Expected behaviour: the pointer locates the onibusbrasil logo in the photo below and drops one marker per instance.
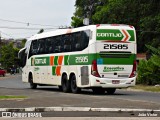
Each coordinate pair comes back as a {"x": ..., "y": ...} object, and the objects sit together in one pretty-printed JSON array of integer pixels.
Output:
[{"x": 110, "y": 69}]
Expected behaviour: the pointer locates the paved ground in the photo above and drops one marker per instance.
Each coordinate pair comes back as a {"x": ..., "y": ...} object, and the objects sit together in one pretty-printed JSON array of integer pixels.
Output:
[{"x": 51, "y": 97}]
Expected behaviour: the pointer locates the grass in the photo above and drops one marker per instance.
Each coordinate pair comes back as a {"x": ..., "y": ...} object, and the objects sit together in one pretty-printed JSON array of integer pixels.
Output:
[
  {"x": 147, "y": 88},
  {"x": 12, "y": 97}
]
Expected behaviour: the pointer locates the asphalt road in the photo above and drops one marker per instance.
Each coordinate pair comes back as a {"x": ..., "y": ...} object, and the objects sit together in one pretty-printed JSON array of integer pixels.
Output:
[{"x": 51, "y": 96}]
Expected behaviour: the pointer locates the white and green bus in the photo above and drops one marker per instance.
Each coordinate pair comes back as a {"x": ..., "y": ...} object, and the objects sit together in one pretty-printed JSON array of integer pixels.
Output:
[{"x": 99, "y": 57}]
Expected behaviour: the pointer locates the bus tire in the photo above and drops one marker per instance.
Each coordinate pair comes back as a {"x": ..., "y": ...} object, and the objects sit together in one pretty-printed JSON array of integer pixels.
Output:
[
  {"x": 74, "y": 87},
  {"x": 110, "y": 91},
  {"x": 98, "y": 90},
  {"x": 32, "y": 85},
  {"x": 60, "y": 88},
  {"x": 66, "y": 85}
]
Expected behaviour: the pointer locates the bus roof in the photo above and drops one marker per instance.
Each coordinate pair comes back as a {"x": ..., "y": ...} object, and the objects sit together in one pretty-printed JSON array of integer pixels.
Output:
[{"x": 65, "y": 31}]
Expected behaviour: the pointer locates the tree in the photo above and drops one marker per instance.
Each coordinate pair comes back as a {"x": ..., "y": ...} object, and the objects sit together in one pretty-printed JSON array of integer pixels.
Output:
[
  {"x": 84, "y": 9},
  {"x": 76, "y": 22},
  {"x": 143, "y": 15},
  {"x": 149, "y": 70},
  {"x": 9, "y": 55},
  {"x": 23, "y": 42}
]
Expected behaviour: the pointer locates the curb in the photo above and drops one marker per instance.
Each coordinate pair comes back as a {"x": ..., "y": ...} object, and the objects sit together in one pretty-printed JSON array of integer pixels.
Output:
[{"x": 49, "y": 109}]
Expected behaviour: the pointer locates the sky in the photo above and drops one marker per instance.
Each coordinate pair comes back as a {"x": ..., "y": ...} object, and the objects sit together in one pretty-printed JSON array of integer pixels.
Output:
[{"x": 24, "y": 18}]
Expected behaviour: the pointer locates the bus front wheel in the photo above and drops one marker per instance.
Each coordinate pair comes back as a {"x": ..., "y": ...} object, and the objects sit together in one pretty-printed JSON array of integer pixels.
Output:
[
  {"x": 32, "y": 85},
  {"x": 74, "y": 87},
  {"x": 66, "y": 85}
]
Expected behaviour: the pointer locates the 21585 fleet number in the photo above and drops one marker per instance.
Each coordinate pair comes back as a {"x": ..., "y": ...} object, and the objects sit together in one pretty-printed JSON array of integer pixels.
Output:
[{"x": 116, "y": 46}]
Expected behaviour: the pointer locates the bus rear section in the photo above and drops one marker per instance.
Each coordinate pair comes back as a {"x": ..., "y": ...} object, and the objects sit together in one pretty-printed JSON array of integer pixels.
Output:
[{"x": 115, "y": 64}]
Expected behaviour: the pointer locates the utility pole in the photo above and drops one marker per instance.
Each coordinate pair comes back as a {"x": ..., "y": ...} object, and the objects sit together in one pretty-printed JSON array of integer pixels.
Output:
[
  {"x": 89, "y": 11},
  {"x": 88, "y": 16}
]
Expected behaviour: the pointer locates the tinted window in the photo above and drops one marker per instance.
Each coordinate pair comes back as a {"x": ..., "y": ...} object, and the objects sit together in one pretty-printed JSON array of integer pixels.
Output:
[
  {"x": 33, "y": 48},
  {"x": 58, "y": 44},
  {"x": 22, "y": 57},
  {"x": 65, "y": 43},
  {"x": 66, "y": 39},
  {"x": 80, "y": 40},
  {"x": 50, "y": 45},
  {"x": 41, "y": 46},
  {"x": 85, "y": 39}
]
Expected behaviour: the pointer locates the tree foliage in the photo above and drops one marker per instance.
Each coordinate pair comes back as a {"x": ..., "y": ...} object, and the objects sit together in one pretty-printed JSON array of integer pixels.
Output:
[
  {"x": 144, "y": 15},
  {"x": 149, "y": 70},
  {"x": 23, "y": 42},
  {"x": 9, "y": 55}
]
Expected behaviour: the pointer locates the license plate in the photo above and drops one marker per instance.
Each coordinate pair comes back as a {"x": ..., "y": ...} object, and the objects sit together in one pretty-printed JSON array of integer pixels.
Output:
[{"x": 115, "y": 81}]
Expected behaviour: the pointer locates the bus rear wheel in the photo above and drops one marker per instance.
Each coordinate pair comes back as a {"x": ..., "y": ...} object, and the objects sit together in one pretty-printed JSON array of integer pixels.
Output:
[
  {"x": 110, "y": 91},
  {"x": 32, "y": 85},
  {"x": 66, "y": 86},
  {"x": 74, "y": 87}
]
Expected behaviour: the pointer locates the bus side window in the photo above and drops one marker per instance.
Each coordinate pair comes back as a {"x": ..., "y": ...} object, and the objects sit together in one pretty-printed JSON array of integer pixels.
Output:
[
  {"x": 33, "y": 48},
  {"x": 78, "y": 41},
  {"x": 67, "y": 43},
  {"x": 49, "y": 45},
  {"x": 73, "y": 42},
  {"x": 85, "y": 38},
  {"x": 58, "y": 44},
  {"x": 41, "y": 46},
  {"x": 23, "y": 58}
]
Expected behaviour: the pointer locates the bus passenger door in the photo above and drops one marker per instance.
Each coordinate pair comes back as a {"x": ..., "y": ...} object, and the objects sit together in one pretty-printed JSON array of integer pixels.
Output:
[
  {"x": 36, "y": 74},
  {"x": 43, "y": 74}
]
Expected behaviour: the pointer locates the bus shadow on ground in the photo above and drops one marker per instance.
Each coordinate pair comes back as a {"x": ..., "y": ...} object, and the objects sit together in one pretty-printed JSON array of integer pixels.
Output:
[{"x": 83, "y": 91}]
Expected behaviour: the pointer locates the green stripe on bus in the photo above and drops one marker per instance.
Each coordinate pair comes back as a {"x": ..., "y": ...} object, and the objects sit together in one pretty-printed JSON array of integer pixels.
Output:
[
  {"x": 66, "y": 59},
  {"x": 81, "y": 59},
  {"x": 56, "y": 60},
  {"x": 86, "y": 59},
  {"x": 54, "y": 70}
]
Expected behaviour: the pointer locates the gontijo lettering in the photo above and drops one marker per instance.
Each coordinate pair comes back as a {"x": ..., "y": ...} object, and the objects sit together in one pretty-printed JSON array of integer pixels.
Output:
[
  {"x": 109, "y": 35},
  {"x": 40, "y": 61}
]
